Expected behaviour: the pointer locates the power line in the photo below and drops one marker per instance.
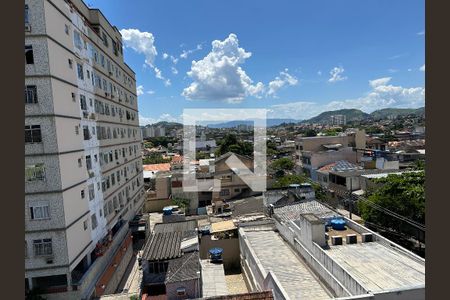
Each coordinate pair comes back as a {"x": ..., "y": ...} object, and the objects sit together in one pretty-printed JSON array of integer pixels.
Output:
[{"x": 391, "y": 213}]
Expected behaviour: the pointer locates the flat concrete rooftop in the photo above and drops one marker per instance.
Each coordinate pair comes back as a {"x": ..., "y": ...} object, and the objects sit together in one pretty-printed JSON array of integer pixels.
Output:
[
  {"x": 213, "y": 279},
  {"x": 378, "y": 267},
  {"x": 275, "y": 255}
]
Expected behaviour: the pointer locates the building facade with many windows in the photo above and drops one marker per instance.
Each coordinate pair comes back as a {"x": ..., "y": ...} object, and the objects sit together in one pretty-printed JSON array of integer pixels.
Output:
[{"x": 83, "y": 165}]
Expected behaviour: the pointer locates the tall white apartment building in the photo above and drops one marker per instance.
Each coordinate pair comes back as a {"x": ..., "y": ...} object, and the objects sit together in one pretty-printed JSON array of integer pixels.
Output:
[{"x": 83, "y": 168}]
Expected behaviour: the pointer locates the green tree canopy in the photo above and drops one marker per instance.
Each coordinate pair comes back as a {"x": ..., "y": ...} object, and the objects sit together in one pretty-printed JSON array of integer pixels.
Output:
[
  {"x": 282, "y": 164},
  {"x": 403, "y": 194},
  {"x": 230, "y": 143}
]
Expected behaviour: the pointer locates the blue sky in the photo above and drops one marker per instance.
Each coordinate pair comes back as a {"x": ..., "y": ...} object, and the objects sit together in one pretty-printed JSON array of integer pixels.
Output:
[{"x": 295, "y": 58}]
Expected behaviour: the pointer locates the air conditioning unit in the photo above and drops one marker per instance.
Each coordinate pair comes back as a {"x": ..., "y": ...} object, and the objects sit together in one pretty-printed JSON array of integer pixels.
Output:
[
  {"x": 367, "y": 237},
  {"x": 336, "y": 240},
  {"x": 27, "y": 27},
  {"x": 351, "y": 239}
]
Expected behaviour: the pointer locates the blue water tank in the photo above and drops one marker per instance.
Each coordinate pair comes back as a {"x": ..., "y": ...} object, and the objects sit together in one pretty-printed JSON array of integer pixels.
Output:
[
  {"x": 167, "y": 210},
  {"x": 338, "y": 224}
]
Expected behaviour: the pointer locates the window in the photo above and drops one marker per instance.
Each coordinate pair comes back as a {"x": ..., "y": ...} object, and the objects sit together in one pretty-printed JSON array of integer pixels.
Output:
[
  {"x": 70, "y": 63},
  {"x": 77, "y": 130},
  {"x": 26, "y": 249},
  {"x": 85, "y": 224},
  {"x": 31, "y": 94},
  {"x": 29, "y": 58},
  {"x": 102, "y": 60},
  {"x": 35, "y": 172},
  {"x": 83, "y": 103},
  {"x": 26, "y": 14},
  {"x": 225, "y": 192},
  {"x": 105, "y": 209},
  {"x": 80, "y": 164},
  {"x": 105, "y": 39},
  {"x": 113, "y": 179},
  {"x": 66, "y": 29},
  {"x": 39, "y": 211},
  {"x": 82, "y": 194},
  {"x": 77, "y": 39},
  {"x": 86, "y": 133},
  {"x": 80, "y": 71},
  {"x": 73, "y": 97},
  {"x": 42, "y": 247},
  {"x": 181, "y": 291},
  {"x": 88, "y": 74},
  {"x": 91, "y": 192},
  {"x": 94, "y": 221},
  {"x": 88, "y": 162},
  {"x": 33, "y": 134}
]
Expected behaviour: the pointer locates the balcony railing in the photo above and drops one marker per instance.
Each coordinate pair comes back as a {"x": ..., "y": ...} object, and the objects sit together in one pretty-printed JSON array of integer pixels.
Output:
[{"x": 87, "y": 282}]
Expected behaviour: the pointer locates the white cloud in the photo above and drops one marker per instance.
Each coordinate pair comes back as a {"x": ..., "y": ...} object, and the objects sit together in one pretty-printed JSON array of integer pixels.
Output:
[
  {"x": 422, "y": 68},
  {"x": 381, "y": 95},
  {"x": 185, "y": 53},
  {"x": 174, "y": 70},
  {"x": 409, "y": 70},
  {"x": 336, "y": 74},
  {"x": 284, "y": 79},
  {"x": 219, "y": 76},
  {"x": 392, "y": 70},
  {"x": 380, "y": 81},
  {"x": 140, "y": 90},
  {"x": 150, "y": 92},
  {"x": 422, "y": 32},
  {"x": 165, "y": 55},
  {"x": 141, "y": 42},
  {"x": 319, "y": 73}
]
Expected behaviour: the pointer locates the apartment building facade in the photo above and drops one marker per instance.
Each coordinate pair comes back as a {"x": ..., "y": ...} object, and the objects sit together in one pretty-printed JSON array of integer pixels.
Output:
[{"x": 83, "y": 165}]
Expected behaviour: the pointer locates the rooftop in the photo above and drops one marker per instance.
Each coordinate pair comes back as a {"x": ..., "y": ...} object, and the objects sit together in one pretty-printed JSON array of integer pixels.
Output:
[
  {"x": 275, "y": 255},
  {"x": 378, "y": 267},
  {"x": 213, "y": 279},
  {"x": 265, "y": 295},
  {"x": 339, "y": 166},
  {"x": 157, "y": 167},
  {"x": 292, "y": 212}
]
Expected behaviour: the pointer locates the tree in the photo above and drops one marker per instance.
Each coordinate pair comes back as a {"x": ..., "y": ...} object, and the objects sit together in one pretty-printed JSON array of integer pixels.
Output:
[
  {"x": 285, "y": 181},
  {"x": 310, "y": 133},
  {"x": 155, "y": 158},
  {"x": 230, "y": 143},
  {"x": 282, "y": 164},
  {"x": 403, "y": 194}
]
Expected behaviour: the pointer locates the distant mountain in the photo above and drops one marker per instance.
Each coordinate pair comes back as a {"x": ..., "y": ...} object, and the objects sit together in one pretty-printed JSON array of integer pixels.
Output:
[
  {"x": 165, "y": 124},
  {"x": 350, "y": 114},
  {"x": 269, "y": 123},
  {"x": 395, "y": 112}
]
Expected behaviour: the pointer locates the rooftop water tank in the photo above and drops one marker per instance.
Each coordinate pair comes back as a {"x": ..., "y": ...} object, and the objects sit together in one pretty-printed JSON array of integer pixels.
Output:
[
  {"x": 338, "y": 224},
  {"x": 167, "y": 210},
  {"x": 216, "y": 254}
]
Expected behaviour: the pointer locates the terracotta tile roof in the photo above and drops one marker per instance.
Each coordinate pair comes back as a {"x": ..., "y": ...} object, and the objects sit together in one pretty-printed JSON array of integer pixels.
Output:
[
  {"x": 157, "y": 167},
  {"x": 177, "y": 159}
]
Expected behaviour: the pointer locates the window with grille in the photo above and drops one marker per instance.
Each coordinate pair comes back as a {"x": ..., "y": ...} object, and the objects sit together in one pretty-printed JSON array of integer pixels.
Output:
[
  {"x": 35, "y": 172},
  {"x": 91, "y": 192},
  {"x": 94, "y": 222},
  {"x": 86, "y": 133},
  {"x": 42, "y": 247},
  {"x": 39, "y": 211},
  {"x": 77, "y": 39},
  {"x": 80, "y": 71},
  {"x": 33, "y": 134},
  {"x": 31, "y": 94},
  {"x": 83, "y": 103}
]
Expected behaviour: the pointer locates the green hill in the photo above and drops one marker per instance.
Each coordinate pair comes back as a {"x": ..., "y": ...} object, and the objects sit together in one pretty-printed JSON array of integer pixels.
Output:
[
  {"x": 350, "y": 114},
  {"x": 395, "y": 112}
]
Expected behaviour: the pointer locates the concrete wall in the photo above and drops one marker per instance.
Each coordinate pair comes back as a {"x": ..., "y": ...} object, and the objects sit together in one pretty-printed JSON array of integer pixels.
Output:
[
  {"x": 156, "y": 205},
  {"x": 231, "y": 253}
]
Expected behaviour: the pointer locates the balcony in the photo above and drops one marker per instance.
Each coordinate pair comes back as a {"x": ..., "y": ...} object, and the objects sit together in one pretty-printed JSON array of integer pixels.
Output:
[{"x": 87, "y": 283}]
